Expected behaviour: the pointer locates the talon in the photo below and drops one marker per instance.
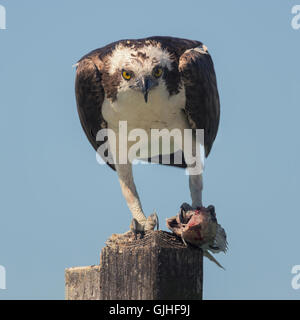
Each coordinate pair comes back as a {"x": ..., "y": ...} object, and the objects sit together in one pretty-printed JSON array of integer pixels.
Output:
[
  {"x": 212, "y": 211},
  {"x": 182, "y": 216},
  {"x": 211, "y": 208},
  {"x": 184, "y": 241},
  {"x": 136, "y": 229},
  {"x": 133, "y": 227},
  {"x": 186, "y": 207},
  {"x": 152, "y": 222},
  {"x": 155, "y": 217}
]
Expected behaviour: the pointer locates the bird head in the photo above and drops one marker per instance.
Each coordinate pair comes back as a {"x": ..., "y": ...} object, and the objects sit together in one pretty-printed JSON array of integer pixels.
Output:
[
  {"x": 140, "y": 69},
  {"x": 142, "y": 80}
]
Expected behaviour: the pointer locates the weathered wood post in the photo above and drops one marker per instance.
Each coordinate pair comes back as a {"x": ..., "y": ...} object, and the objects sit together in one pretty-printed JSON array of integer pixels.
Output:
[{"x": 156, "y": 267}]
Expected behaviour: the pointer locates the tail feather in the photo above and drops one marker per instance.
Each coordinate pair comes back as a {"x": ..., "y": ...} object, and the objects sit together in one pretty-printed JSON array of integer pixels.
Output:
[{"x": 212, "y": 258}]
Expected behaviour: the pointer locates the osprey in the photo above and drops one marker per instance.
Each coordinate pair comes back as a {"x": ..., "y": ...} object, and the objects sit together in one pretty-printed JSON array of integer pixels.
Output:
[{"x": 151, "y": 83}]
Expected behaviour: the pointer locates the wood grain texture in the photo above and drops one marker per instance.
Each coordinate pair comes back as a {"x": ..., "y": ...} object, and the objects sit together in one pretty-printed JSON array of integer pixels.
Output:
[{"x": 82, "y": 283}]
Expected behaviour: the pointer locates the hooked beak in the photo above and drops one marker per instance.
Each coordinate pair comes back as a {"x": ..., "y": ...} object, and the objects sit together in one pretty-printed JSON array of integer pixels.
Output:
[{"x": 146, "y": 84}]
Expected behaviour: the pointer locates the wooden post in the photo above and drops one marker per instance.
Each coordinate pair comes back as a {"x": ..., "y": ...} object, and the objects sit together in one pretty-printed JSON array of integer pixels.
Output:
[
  {"x": 156, "y": 267},
  {"x": 82, "y": 283}
]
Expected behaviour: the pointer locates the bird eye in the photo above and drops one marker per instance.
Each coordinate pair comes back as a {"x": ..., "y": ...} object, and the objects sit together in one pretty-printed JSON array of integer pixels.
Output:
[
  {"x": 157, "y": 72},
  {"x": 126, "y": 75}
]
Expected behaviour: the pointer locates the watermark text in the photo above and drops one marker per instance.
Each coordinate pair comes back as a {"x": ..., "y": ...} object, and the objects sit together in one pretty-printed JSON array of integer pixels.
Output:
[
  {"x": 2, "y": 17},
  {"x": 296, "y": 279},
  {"x": 123, "y": 146},
  {"x": 295, "y": 23},
  {"x": 2, "y": 278}
]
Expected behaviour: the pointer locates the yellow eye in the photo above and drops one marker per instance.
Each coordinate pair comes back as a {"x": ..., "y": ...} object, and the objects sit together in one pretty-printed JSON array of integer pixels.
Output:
[
  {"x": 157, "y": 72},
  {"x": 126, "y": 75}
]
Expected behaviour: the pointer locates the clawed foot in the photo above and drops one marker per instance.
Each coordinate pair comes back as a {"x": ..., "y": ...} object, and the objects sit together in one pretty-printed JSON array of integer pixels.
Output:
[
  {"x": 185, "y": 207},
  {"x": 218, "y": 242},
  {"x": 149, "y": 225},
  {"x": 198, "y": 227}
]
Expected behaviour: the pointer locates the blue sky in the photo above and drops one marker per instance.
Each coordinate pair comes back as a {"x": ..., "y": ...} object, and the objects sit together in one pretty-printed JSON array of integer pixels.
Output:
[{"x": 58, "y": 205}]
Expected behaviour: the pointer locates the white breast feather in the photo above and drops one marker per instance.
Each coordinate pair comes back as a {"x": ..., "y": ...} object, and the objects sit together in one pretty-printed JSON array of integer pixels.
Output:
[{"x": 161, "y": 111}]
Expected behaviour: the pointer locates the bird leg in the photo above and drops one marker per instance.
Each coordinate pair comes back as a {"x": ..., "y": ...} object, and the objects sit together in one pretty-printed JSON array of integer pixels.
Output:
[
  {"x": 195, "y": 171},
  {"x": 140, "y": 223},
  {"x": 196, "y": 187}
]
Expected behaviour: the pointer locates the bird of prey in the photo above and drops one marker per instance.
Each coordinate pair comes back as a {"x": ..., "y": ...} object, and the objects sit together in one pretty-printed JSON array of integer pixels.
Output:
[{"x": 151, "y": 83}]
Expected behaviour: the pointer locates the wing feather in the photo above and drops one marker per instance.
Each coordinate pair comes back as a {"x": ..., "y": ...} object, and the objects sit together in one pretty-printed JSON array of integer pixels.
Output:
[
  {"x": 202, "y": 99},
  {"x": 90, "y": 96}
]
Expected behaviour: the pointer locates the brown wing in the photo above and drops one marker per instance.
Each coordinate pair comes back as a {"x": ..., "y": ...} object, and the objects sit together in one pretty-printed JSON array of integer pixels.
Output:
[
  {"x": 89, "y": 96},
  {"x": 202, "y": 99}
]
